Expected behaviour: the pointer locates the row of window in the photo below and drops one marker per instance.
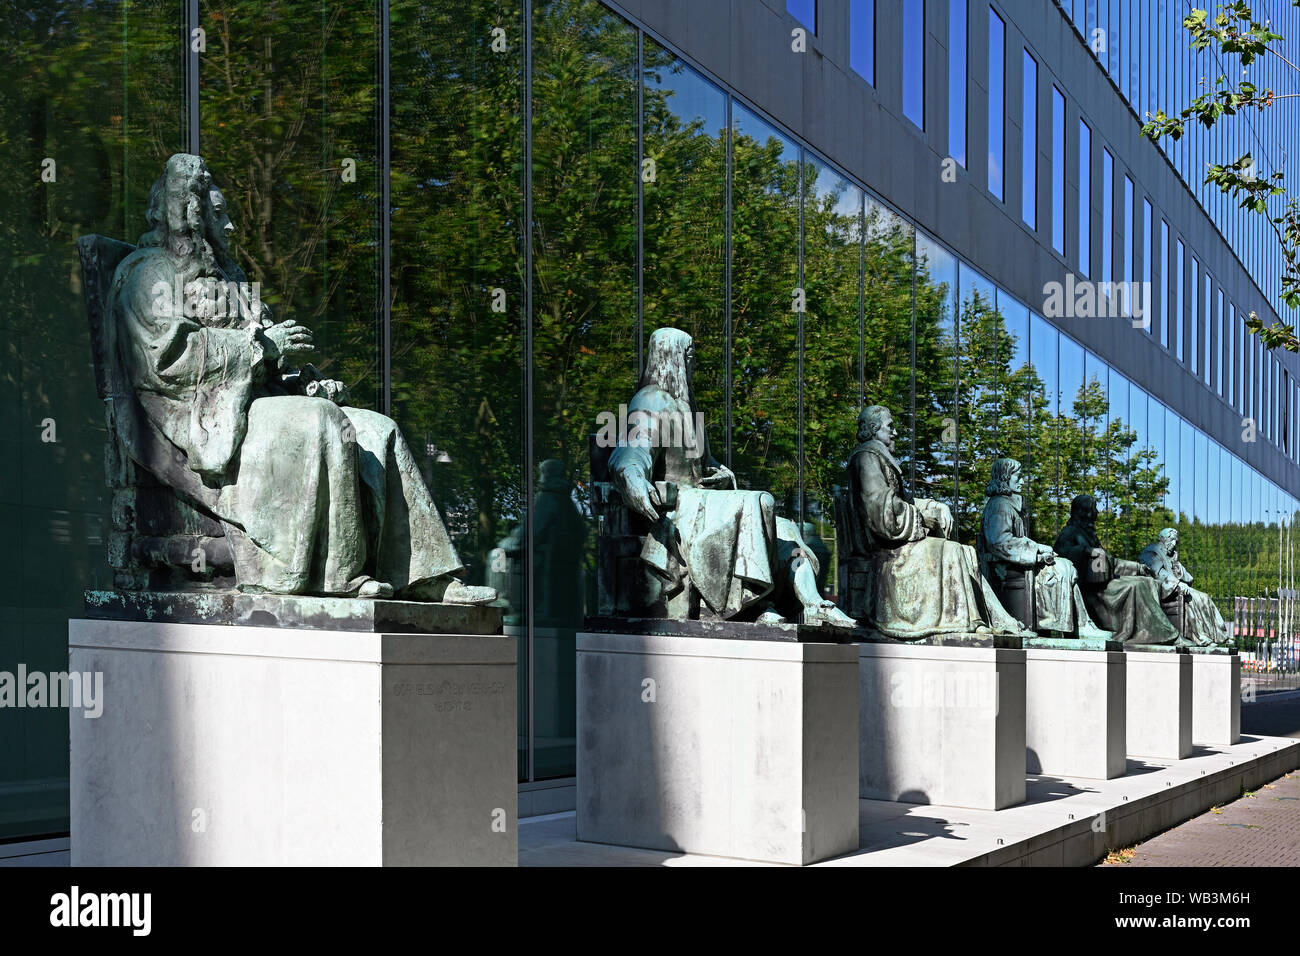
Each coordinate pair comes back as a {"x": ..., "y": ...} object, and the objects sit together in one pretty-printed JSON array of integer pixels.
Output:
[{"x": 1192, "y": 322}]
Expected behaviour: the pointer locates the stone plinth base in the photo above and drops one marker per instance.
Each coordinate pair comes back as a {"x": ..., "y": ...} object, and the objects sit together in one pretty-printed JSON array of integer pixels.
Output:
[
  {"x": 233, "y": 746},
  {"x": 1159, "y": 712},
  {"x": 733, "y": 748},
  {"x": 1074, "y": 713},
  {"x": 1216, "y": 699},
  {"x": 942, "y": 724}
]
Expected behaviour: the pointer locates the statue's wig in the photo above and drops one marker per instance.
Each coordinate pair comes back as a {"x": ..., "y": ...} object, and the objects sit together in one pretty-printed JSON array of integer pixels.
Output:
[
  {"x": 1083, "y": 508},
  {"x": 1004, "y": 470},
  {"x": 1168, "y": 536},
  {"x": 870, "y": 419},
  {"x": 175, "y": 214},
  {"x": 666, "y": 365}
]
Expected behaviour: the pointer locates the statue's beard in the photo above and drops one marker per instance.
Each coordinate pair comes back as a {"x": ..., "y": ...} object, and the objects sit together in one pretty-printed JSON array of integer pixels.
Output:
[{"x": 201, "y": 257}]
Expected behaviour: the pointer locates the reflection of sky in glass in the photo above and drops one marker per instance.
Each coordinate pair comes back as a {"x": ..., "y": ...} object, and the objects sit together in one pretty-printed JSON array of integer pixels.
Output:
[
  {"x": 748, "y": 124},
  {"x": 1195, "y": 334},
  {"x": 1070, "y": 374},
  {"x": 862, "y": 38},
  {"x": 805, "y": 11},
  {"x": 972, "y": 284},
  {"x": 690, "y": 96},
  {"x": 1107, "y": 211},
  {"x": 939, "y": 265},
  {"x": 1042, "y": 349},
  {"x": 1187, "y": 460},
  {"x": 1017, "y": 324},
  {"x": 1029, "y": 144},
  {"x": 914, "y": 61},
  {"x": 1173, "y": 470},
  {"x": 1164, "y": 291},
  {"x": 829, "y": 183},
  {"x": 1175, "y": 327},
  {"x": 997, "y": 99},
  {"x": 956, "y": 80},
  {"x": 1058, "y": 171},
  {"x": 1085, "y": 199}
]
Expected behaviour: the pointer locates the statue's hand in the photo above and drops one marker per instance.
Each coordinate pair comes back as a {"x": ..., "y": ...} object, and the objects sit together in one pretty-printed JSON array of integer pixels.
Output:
[
  {"x": 287, "y": 338},
  {"x": 641, "y": 496},
  {"x": 330, "y": 388},
  {"x": 1046, "y": 555},
  {"x": 720, "y": 475}
]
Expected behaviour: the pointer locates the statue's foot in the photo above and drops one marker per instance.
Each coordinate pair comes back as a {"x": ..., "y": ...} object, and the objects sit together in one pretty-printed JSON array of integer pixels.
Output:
[
  {"x": 827, "y": 615},
  {"x": 1092, "y": 631},
  {"x": 457, "y": 592},
  {"x": 373, "y": 590},
  {"x": 770, "y": 617}
]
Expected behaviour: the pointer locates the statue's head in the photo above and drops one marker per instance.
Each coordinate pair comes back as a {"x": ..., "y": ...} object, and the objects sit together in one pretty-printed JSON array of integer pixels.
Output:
[
  {"x": 877, "y": 421},
  {"x": 1005, "y": 478},
  {"x": 187, "y": 214},
  {"x": 1083, "y": 510},
  {"x": 1168, "y": 539},
  {"x": 670, "y": 362}
]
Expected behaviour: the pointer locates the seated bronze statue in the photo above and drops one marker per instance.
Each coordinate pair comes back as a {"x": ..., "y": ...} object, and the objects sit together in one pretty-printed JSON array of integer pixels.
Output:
[
  {"x": 1121, "y": 595},
  {"x": 702, "y": 551},
  {"x": 1191, "y": 611},
  {"x": 314, "y": 496},
  {"x": 1042, "y": 592},
  {"x": 919, "y": 584}
]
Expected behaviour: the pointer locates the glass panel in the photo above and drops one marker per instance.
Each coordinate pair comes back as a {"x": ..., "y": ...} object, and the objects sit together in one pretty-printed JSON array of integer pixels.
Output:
[
  {"x": 997, "y": 100},
  {"x": 1029, "y": 143},
  {"x": 1042, "y": 473},
  {"x": 1107, "y": 217},
  {"x": 584, "y": 312},
  {"x": 862, "y": 39},
  {"x": 956, "y": 78},
  {"x": 457, "y": 313},
  {"x": 97, "y": 89},
  {"x": 914, "y": 61},
  {"x": 764, "y": 299},
  {"x": 1085, "y": 200},
  {"x": 1058, "y": 171},
  {"x": 1165, "y": 292},
  {"x": 805, "y": 11},
  {"x": 1194, "y": 323},
  {"x": 935, "y": 455},
  {"x": 1176, "y": 326}
]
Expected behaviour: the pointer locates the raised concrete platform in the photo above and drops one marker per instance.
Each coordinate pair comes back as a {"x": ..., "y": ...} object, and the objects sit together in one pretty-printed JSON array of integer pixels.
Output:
[
  {"x": 223, "y": 745},
  {"x": 1159, "y": 693},
  {"x": 735, "y": 748},
  {"x": 1063, "y": 821},
  {"x": 1216, "y": 699},
  {"x": 942, "y": 724},
  {"x": 1075, "y": 713}
]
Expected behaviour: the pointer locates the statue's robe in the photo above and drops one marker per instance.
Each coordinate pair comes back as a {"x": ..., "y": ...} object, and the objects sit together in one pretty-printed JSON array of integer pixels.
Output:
[
  {"x": 1204, "y": 623},
  {"x": 1125, "y": 601},
  {"x": 314, "y": 498},
  {"x": 1004, "y": 545},
  {"x": 920, "y": 585},
  {"x": 730, "y": 545}
]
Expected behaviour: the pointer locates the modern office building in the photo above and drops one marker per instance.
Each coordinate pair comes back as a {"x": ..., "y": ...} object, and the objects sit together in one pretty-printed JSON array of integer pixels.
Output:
[{"x": 484, "y": 207}]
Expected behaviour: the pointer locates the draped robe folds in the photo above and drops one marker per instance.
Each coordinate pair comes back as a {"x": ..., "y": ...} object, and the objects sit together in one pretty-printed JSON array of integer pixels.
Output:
[
  {"x": 730, "y": 544},
  {"x": 921, "y": 585},
  {"x": 1128, "y": 603},
  {"x": 314, "y": 498},
  {"x": 1205, "y": 625},
  {"x": 1005, "y": 544}
]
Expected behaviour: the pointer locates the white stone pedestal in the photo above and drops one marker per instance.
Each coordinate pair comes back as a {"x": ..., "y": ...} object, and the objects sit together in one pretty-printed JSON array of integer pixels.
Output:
[
  {"x": 1074, "y": 713},
  {"x": 736, "y": 748},
  {"x": 232, "y": 746},
  {"x": 1216, "y": 699},
  {"x": 942, "y": 725},
  {"x": 1159, "y": 693}
]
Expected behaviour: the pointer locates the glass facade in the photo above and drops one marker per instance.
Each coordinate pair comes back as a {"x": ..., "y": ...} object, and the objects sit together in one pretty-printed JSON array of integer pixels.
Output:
[{"x": 483, "y": 243}]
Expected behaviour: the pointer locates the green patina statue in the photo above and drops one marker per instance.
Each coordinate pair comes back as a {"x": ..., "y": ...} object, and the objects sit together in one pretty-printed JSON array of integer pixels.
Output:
[
  {"x": 1121, "y": 595},
  {"x": 1007, "y": 553},
  {"x": 315, "y": 497},
  {"x": 1203, "y": 624},
  {"x": 707, "y": 551},
  {"x": 920, "y": 583}
]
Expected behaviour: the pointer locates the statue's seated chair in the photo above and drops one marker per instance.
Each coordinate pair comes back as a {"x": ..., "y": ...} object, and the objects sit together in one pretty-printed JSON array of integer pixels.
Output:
[
  {"x": 853, "y": 580},
  {"x": 1015, "y": 590},
  {"x": 1175, "y": 608},
  {"x": 159, "y": 541},
  {"x": 626, "y": 585}
]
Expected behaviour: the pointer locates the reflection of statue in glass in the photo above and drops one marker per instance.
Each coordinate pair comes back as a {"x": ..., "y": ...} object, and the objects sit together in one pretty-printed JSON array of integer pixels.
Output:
[
  {"x": 314, "y": 497},
  {"x": 920, "y": 584},
  {"x": 727, "y": 546},
  {"x": 505, "y": 575},
  {"x": 1009, "y": 557},
  {"x": 820, "y": 551},
  {"x": 559, "y": 542},
  {"x": 1203, "y": 622},
  {"x": 1120, "y": 594}
]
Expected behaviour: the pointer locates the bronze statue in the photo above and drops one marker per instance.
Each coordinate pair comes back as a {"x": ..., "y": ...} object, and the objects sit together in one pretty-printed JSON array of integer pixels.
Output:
[
  {"x": 704, "y": 550},
  {"x": 920, "y": 584},
  {"x": 315, "y": 496},
  {"x": 1121, "y": 595},
  {"x": 1009, "y": 558},
  {"x": 1201, "y": 621}
]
